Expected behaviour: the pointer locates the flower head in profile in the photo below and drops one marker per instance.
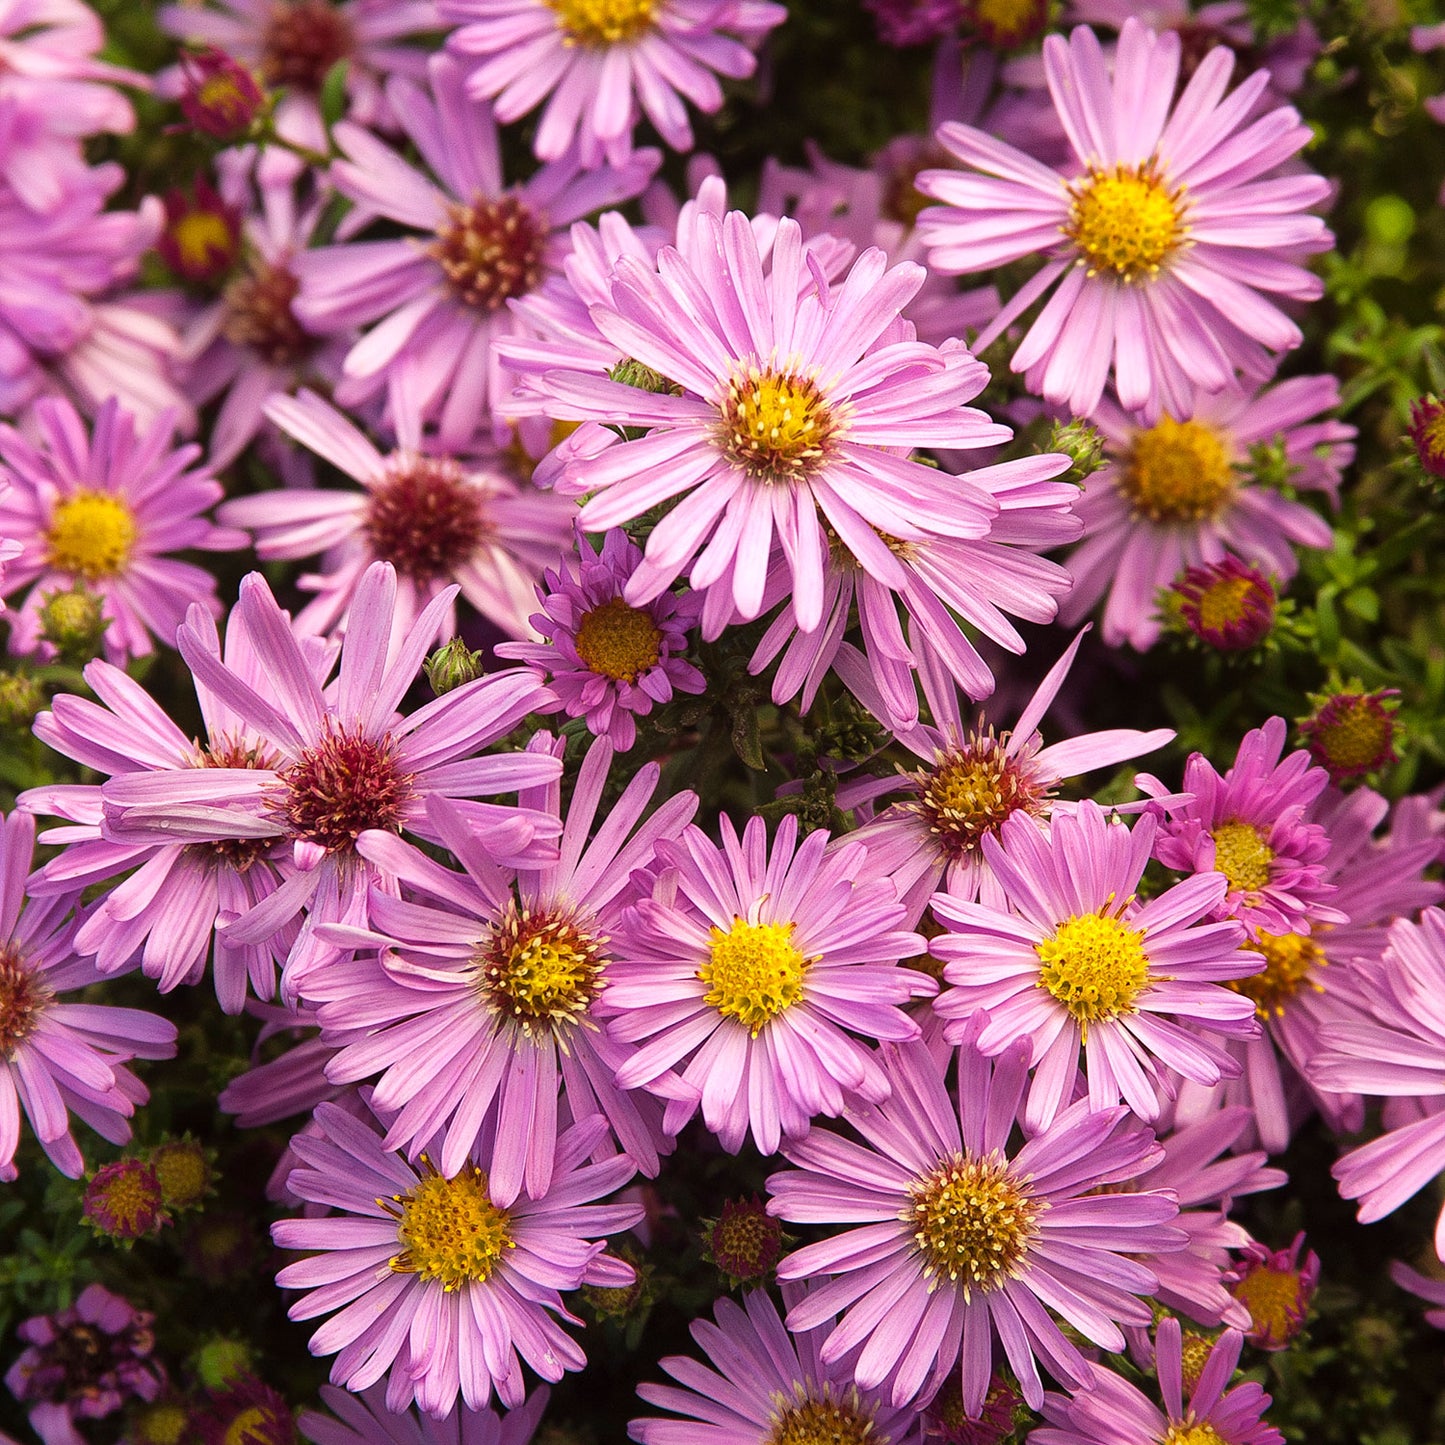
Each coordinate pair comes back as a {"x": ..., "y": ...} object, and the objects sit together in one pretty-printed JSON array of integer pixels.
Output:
[
  {"x": 1167, "y": 239},
  {"x": 431, "y": 1282},
  {"x": 104, "y": 508},
  {"x": 962, "y": 1239}
]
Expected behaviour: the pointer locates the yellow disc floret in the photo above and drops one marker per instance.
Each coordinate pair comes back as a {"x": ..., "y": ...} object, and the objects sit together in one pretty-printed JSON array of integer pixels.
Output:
[
  {"x": 817, "y": 1417},
  {"x": 599, "y": 23},
  {"x": 91, "y": 534},
  {"x": 450, "y": 1230},
  {"x": 1177, "y": 471},
  {"x": 972, "y": 789},
  {"x": 1125, "y": 222},
  {"x": 1290, "y": 960},
  {"x": 618, "y": 641},
  {"x": 1242, "y": 855},
  {"x": 1095, "y": 966},
  {"x": 541, "y": 970},
  {"x": 973, "y": 1222},
  {"x": 753, "y": 973},
  {"x": 1186, "y": 1432},
  {"x": 776, "y": 425}
]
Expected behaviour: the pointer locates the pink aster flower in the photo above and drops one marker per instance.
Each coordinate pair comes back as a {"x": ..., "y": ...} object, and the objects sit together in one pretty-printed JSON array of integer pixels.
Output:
[
  {"x": 971, "y": 781},
  {"x": 437, "y": 519},
  {"x": 1167, "y": 233},
  {"x": 1276, "y": 1288},
  {"x": 336, "y": 762},
  {"x": 102, "y": 508},
  {"x": 962, "y": 1240},
  {"x": 1252, "y": 825},
  {"x": 760, "y": 967},
  {"x": 1178, "y": 494},
  {"x": 438, "y": 294},
  {"x": 1112, "y": 1409},
  {"x": 764, "y": 1384},
  {"x": 1075, "y": 962},
  {"x": 607, "y": 661},
  {"x": 492, "y": 977},
  {"x": 602, "y": 64},
  {"x": 365, "y": 1420},
  {"x": 434, "y": 1284},
  {"x": 58, "y": 1059}
]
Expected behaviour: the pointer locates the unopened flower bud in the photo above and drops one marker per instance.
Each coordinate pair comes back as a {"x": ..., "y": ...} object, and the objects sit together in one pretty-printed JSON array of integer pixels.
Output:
[
  {"x": 1228, "y": 605},
  {"x": 1427, "y": 431},
  {"x": 745, "y": 1242},
  {"x": 221, "y": 97},
  {"x": 1353, "y": 733},
  {"x": 201, "y": 241},
  {"x": 220, "y": 1363},
  {"x": 633, "y": 373},
  {"x": 123, "y": 1201},
  {"x": 183, "y": 1171},
  {"x": 21, "y": 698},
  {"x": 74, "y": 622},
  {"x": 1081, "y": 443},
  {"x": 453, "y": 666}
]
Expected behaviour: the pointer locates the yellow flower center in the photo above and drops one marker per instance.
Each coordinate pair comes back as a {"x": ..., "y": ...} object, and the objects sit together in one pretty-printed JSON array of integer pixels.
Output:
[
  {"x": 1007, "y": 23},
  {"x": 183, "y": 1174},
  {"x": 1274, "y": 1299},
  {"x": 164, "y": 1424},
  {"x": 1194, "y": 1352},
  {"x": 1356, "y": 736},
  {"x": 1222, "y": 603},
  {"x": 599, "y": 23},
  {"x": 450, "y": 1230},
  {"x": 1242, "y": 855},
  {"x": 618, "y": 641},
  {"x": 972, "y": 1221},
  {"x": 91, "y": 535},
  {"x": 1177, "y": 471},
  {"x": 1095, "y": 966},
  {"x": 822, "y": 1420},
  {"x": 777, "y": 426},
  {"x": 971, "y": 790},
  {"x": 1195, "y": 1433},
  {"x": 541, "y": 971},
  {"x": 1125, "y": 221},
  {"x": 251, "y": 1427},
  {"x": 755, "y": 971},
  {"x": 200, "y": 237},
  {"x": 1289, "y": 961}
]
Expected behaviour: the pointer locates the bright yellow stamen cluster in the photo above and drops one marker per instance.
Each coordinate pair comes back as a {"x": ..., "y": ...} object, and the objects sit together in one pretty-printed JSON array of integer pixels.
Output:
[
  {"x": 753, "y": 973},
  {"x": 601, "y": 23},
  {"x": 91, "y": 534},
  {"x": 1007, "y": 23},
  {"x": 618, "y": 641},
  {"x": 1095, "y": 966},
  {"x": 971, "y": 790},
  {"x": 1276, "y": 1301},
  {"x": 776, "y": 425},
  {"x": 1356, "y": 736},
  {"x": 1290, "y": 960},
  {"x": 450, "y": 1230},
  {"x": 1125, "y": 221},
  {"x": 1242, "y": 855},
  {"x": 973, "y": 1222},
  {"x": 1195, "y": 1433},
  {"x": 251, "y": 1425},
  {"x": 1177, "y": 471},
  {"x": 200, "y": 236},
  {"x": 541, "y": 971},
  {"x": 822, "y": 1420},
  {"x": 1222, "y": 603}
]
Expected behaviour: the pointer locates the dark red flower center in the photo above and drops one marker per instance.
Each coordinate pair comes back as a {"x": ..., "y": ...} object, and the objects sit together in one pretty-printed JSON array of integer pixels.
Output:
[
  {"x": 259, "y": 314},
  {"x": 425, "y": 519},
  {"x": 23, "y": 997},
  {"x": 302, "y": 41},
  {"x": 490, "y": 250},
  {"x": 343, "y": 785}
]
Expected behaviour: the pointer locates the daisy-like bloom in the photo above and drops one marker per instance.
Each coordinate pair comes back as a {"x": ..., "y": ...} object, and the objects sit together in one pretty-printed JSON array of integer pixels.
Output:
[
  {"x": 1166, "y": 233},
  {"x": 336, "y": 762},
  {"x": 57, "y": 1058},
  {"x": 1077, "y": 962},
  {"x": 365, "y": 1420},
  {"x": 437, "y": 519},
  {"x": 434, "y": 1284},
  {"x": 608, "y": 661},
  {"x": 601, "y": 61},
  {"x": 102, "y": 508},
  {"x": 962, "y": 1241},
  {"x": 971, "y": 780},
  {"x": 1276, "y": 1289},
  {"x": 1177, "y": 494},
  {"x": 1252, "y": 825},
  {"x": 1227, "y": 605},
  {"x": 84, "y": 1363},
  {"x": 439, "y": 297},
  {"x": 795, "y": 406},
  {"x": 166, "y": 910},
  {"x": 765, "y": 1387},
  {"x": 1112, "y": 1409},
  {"x": 759, "y": 967},
  {"x": 492, "y": 978}
]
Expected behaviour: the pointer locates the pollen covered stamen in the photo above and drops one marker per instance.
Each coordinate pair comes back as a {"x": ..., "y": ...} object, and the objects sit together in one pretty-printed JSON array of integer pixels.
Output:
[
  {"x": 259, "y": 314},
  {"x": 973, "y": 1222},
  {"x": 818, "y": 1417},
  {"x": 971, "y": 789},
  {"x": 343, "y": 785},
  {"x": 424, "y": 519},
  {"x": 776, "y": 426},
  {"x": 1177, "y": 471},
  {"x": 24, "y": 995},
  {"x": 1290, "y": 961},
  {"x": 600, "y": 23},
  {"x": 1242, "y": 855},
  {"x": 490, "y": 250},
  {"x": 1186, "y": 1432},
  {"x": 450, "y": 1230},
  {"x": 303, "y": 39},
  {"x": 541, "y": 970},
  {"x": 91, "y": 534},
  {"x": 618, "y": 641},
  {"x": 1095, "y": 966},
  {"x": 755, "y": 971},
  {"x": 1125, "y": 221}
]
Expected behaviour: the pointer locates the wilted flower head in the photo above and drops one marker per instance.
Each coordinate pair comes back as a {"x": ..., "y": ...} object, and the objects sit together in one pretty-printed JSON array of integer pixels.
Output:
[{"x": 124, "y": 1201}]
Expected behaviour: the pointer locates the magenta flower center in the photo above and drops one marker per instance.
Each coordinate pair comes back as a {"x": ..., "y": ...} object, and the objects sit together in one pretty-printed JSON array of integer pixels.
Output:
[
  {"x": 91, "y": 535},
  {"x": 822, "y": 1419},
  {"x": 1095, "y": 966},
  {"x": 1242, "y": 855},
  {"x": 972, "y": 1221},
  {"x": 451, "y": 1232},
  {"x": 424, "y": 518},
  {"x": 490, "y": 250},
  {"x": 1290, "y": 961},
  {"x": 302, "y": 41},
  {"x": 776, "y": 425},
  {"x": 259, "y": 314},
  {"x": 343, "y": 785},
  {"x": 618, "y": 641},
  {"x": 754, "y": 971},
  {"x": 24, "y": 996},
  {"x": 1125, "y": 222},
  {"x": 600, "y": 23},
  {"x": 971, "y": 790},
  {"x": 1177, "y": 471},
  {"x": 542, "y": 971}
]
